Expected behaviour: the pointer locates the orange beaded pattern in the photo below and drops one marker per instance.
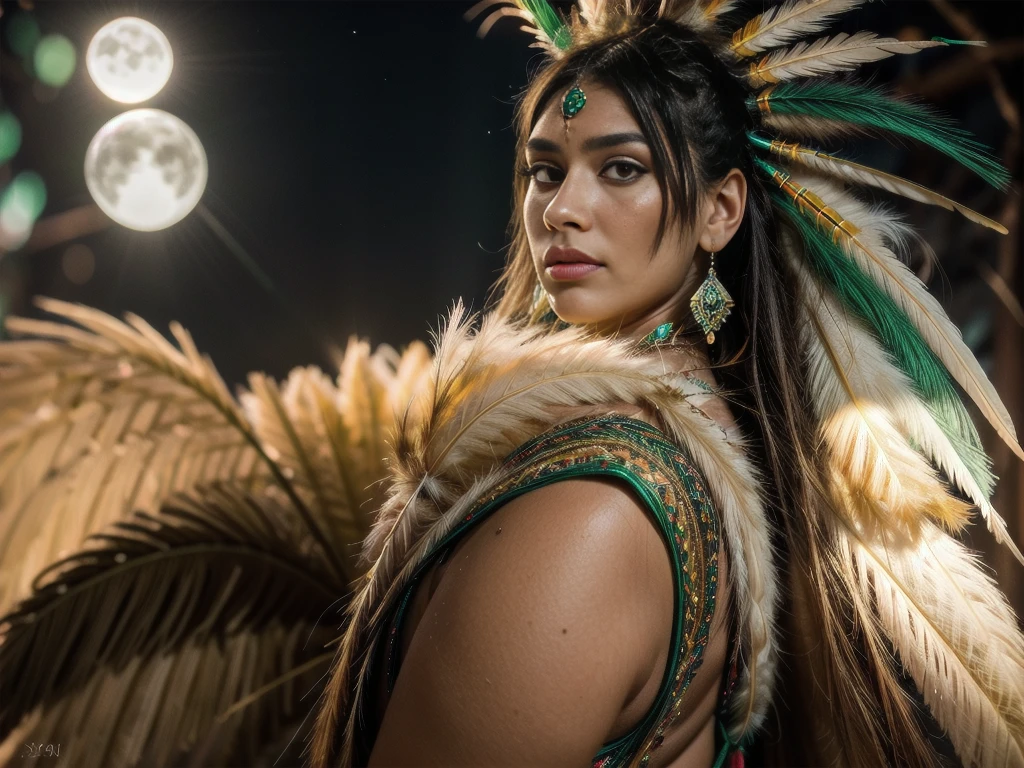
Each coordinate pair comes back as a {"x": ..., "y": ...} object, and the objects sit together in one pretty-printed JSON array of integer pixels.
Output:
[{"x": 677, "y": 496}]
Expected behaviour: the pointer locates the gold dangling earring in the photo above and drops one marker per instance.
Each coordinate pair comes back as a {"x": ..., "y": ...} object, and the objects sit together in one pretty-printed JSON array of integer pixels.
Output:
[{"x": 711, "y": 303}]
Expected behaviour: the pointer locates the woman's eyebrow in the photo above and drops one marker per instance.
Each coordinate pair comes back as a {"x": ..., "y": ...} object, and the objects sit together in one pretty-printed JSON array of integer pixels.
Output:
[{"x": 589, "y": 145}]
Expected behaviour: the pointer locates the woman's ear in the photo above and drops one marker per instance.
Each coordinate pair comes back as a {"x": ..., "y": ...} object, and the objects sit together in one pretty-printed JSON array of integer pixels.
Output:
[{"x": 723, "y": 212}]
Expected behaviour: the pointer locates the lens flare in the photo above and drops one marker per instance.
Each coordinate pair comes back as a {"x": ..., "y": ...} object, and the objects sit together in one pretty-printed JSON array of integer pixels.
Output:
[
  {"x": 20, "y": 205},
  {"x": 10, "y": 136},
  {"x": 54, "y": 60}
]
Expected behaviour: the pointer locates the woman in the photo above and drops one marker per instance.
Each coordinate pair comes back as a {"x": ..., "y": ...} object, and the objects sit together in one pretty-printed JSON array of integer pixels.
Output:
[
  {"x": 648, "y": 193},
  {"x": 686, "y": 493}
]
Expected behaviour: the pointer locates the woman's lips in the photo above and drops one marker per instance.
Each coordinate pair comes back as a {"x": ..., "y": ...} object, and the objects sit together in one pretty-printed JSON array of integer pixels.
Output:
[{"x": 571, "y": 270}]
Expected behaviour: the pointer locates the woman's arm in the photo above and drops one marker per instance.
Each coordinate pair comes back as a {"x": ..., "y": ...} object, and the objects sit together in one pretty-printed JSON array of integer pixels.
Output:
[{"x": 547, "y": 622}]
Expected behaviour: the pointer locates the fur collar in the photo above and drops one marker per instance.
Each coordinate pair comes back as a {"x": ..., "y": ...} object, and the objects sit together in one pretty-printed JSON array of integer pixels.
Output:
[{"x": 492, "y": 389}]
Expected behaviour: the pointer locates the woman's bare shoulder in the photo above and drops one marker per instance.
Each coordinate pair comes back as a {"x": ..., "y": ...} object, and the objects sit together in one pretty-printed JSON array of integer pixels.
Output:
[{"x": 550, "y": 616}]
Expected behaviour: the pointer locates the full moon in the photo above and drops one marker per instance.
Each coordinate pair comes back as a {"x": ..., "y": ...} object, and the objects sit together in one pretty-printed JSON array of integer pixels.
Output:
[
  {"x": 129, "y": 59},
  {"x": 146, "y": 169}
]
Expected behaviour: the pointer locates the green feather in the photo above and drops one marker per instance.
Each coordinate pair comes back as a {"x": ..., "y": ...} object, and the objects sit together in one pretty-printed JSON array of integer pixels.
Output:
[
  {"x": 912, "y": 355},
  {"x": 872, "y": 108},
  {"x": 549, "y": 22},
  {"x": 951, "y": 41}
]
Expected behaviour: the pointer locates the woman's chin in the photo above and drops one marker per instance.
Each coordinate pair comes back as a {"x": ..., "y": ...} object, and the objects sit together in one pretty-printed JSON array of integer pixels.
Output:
[{"x": 583, "y": 313}]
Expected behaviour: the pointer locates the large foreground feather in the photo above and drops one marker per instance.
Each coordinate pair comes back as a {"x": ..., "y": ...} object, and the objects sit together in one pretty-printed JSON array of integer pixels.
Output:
[{"x": 106, "y": 424}]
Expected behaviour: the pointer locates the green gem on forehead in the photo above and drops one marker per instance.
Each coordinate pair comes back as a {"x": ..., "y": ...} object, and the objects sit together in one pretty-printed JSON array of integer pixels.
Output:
[{"x": 573, "y": 102}]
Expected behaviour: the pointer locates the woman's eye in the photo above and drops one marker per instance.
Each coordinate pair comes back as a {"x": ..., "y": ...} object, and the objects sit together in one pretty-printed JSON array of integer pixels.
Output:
[
  {"x": 543, "y": 174},
  {"x": 618, "y": 171},
  {"x": 622, "y": 171}
]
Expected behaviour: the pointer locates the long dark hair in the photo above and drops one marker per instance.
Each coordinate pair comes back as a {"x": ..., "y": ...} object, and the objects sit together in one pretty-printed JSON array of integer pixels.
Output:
[{"x": 691, "y": 107}]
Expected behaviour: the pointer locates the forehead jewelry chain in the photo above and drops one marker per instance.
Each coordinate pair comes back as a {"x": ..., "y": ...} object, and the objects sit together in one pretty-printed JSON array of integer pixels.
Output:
[{"x": 573, "y": 102}]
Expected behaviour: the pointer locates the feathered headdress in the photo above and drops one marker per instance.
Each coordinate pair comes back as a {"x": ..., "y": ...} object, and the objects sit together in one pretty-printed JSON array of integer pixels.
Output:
[{"x": 882, "y": 357}]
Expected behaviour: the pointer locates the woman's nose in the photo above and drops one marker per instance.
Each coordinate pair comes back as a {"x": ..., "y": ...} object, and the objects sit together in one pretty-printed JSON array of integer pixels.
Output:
[{"x": 570, "y": 207}]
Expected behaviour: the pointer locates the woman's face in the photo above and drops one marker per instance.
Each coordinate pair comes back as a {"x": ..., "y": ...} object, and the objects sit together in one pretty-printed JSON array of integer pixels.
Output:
[{"x": 592, "y": 212}]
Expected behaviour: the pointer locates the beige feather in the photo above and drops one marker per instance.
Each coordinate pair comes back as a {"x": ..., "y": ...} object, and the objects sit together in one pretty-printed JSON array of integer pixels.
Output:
[
  {"x": 206, "y": 568},
  {"x": 786, "y": 22},
  {"x": 856, "y": 173},
  {"x": 701, "y": 16},
  {"x": 101, "y": 422},
  {"x": 808, "y": 127},
  {"x": 491, "y": 391},
  {"x": 881, "y": 478},
  {"x": 830, "y": 54},
  {"x": 518, "y": 11},
  {"x": 592, "y": 11},
  {"x": 954, "y": 632},
  {"x": 843, "y": 342},
  {"x": 154, "y": 711},
  {"x": 94, "y": 430},
  {"x": 949, "y": 624},
  {"x": 869, "y": 250}
]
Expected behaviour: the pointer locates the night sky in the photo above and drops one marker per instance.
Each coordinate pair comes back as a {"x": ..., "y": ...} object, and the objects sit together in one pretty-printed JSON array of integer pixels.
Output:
[{"x": 360, "y": 154}]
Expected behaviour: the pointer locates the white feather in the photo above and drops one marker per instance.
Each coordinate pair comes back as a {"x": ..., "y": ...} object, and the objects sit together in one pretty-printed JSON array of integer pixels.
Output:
[
  {"x": 861, "y": 174},
  {"x": 696, "y": 14},
  {"x": 592, "y": 11},
  {"x": 954, "y": 633},
  {"x": 786, "y": 22},
  {"x": 880, "y": 382},
  {"x": 857, "y": 391},
  {"x": 871, "y": 253},
  {"x": 949, "y": 624},
  {"x": 836, "y": 54}
]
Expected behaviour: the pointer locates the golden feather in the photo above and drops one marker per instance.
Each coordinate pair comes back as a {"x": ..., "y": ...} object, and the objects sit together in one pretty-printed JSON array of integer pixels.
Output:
[{"x": 855, "y": 173}]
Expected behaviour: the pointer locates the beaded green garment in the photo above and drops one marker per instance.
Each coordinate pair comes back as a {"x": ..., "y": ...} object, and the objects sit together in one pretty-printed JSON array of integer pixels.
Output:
[{"x": 673, "y": 490}]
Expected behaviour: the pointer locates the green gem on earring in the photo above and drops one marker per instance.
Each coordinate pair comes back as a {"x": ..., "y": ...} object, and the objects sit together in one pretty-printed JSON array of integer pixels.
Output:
[
  {"x": 711, "y": 304},
  {"x": 574, "y": 101}
]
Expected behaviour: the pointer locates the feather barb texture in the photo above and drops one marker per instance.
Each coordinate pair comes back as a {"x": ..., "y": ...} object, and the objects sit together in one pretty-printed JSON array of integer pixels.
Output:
[{"x": 494, "y": 388}]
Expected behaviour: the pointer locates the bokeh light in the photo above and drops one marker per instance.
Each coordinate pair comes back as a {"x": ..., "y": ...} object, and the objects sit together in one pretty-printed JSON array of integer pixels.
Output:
[
  {"x": 10, "y": 136},
  {"x": 20, "y": 205},
  {"x": 54, "y": 60},
  {"x": 129, "y": 60},
  {"x": 146, "y": 169},
  {"x": 22, "y": 34},
  {"x": 78, "y": 263}
]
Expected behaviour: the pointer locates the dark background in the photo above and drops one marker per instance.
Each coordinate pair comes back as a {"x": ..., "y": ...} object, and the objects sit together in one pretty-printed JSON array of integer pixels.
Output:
[{"x": 361, "y": 155}]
